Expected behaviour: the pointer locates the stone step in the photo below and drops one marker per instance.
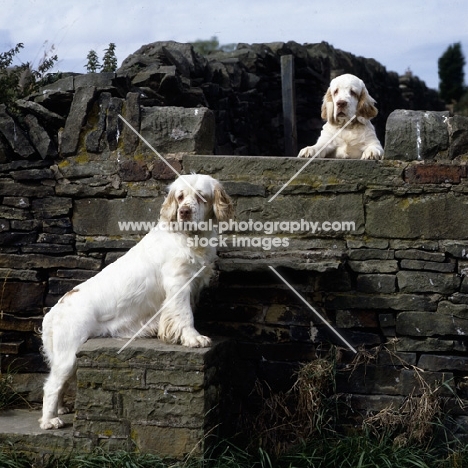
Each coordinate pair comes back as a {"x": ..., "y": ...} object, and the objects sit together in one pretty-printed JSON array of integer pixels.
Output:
[
  {"x": 151, "y": 397},
  {"x": 20, "y": 430}
]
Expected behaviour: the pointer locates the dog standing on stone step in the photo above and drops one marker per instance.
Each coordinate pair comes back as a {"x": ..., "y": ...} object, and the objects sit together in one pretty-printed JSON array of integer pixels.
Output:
[{"x": 155, "y": 277}]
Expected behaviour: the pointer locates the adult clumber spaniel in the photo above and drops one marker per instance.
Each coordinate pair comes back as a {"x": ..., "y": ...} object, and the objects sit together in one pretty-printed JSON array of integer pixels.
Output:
[
  {"x": 149, "y": 281},
  {"x": 346, "y": 98}
]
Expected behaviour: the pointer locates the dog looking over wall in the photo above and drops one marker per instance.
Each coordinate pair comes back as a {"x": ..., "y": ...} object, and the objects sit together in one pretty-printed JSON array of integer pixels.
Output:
[
  {"x": 155, "y": 275},
  {"x": 347, "y": 98}
]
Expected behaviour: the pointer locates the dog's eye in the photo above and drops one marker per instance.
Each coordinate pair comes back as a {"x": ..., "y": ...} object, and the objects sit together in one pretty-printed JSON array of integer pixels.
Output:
[
  {"x": 354, "y": 94},
  {"x": 335, "y": 92},
  {"x": 180, "y": 197},
  {"x": 201, "y": 197}
]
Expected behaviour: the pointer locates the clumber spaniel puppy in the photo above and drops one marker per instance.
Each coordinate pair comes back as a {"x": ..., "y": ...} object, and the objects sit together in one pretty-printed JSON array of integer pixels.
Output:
[
  {"x": 149, "y": 281},
  {"x": 346, "y": 98}
]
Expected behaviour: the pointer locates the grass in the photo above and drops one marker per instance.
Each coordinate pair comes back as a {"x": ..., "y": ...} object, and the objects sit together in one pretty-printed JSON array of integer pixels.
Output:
[
  {"x": 9, "y": 397},
  {"x": 357, "y": 451}
]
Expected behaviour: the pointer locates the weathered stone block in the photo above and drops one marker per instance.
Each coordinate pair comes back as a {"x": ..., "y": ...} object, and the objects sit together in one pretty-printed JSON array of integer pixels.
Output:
[
  {"x": 428, "y": 266},
  {"x": 378, "y": 283},
  {"x": 347, "y": 210},
  {"x": 174, "y": 442},
  {"x": 459, "y": 310},
  {"x": 10, "y": 322},
  {"x": 21, "y": 297},
  {"x": 416, "y": 135},
  {"x": 113, "y": 378},
  {"x": 131, "y": 113},
  {"x": 435, "y": 174},
  {"x": 438, "y": 216},
  {"x": 95, "y": 216},
  {"x": 164, "y": 407},
  {"x": 47, "y": 261},
  {"x": 430, "y": 324},
  {"x": 51, "y": 207},
  {"x": 163, "y": 171},
  {"x": 132, "y": 171},
  {"x": 147, "y": 395},
  {"x": 382, "y": 301},
  {"x": 423, "y": 255},
  {"x": 94, "y": 138},
  {"x": 16, "y": 189},
  {"x": 348, "y": 319},
  {"x": 456, "y": 249},
  {"x": 439, "y": 363},
  {"x": 158, "y": 377},
  {"x": 430, "y": 345},
  {"x": 93, "y": 401},
  {"x": 458, "y": 136},
  {"x": 371, "y": 254},
  {"x": 374, "y": 266},
  {"x": 102, "y": 429},
  {"x": 81, "y": 104},
  {"x": 14, "y": 134},
  {"x": 420, "y": 282},
  {"x": 82, "y": 166},
  {"x": 7, "y": 212},
  {"x": 44, "y": 145},
  {"x": 113, "y": 123},
  {"x": 177, "y": 130},
  {"x": 98, "y": 80},
  {"x": 44, "y": 114}
]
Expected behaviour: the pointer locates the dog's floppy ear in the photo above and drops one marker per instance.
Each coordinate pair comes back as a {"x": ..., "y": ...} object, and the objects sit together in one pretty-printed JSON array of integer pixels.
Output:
[
  {"x": 222, "y": 204},
  {"x": 327, "y": 107},
  {"x": 169, "y": 208},
  {"x": 366, "y": 108}
]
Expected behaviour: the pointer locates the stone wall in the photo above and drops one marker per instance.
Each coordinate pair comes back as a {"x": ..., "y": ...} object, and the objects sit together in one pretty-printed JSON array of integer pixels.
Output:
[
  {"x": 150, "y": 397},
  {"x": 243, "y": 89},
  {"x": 397, "y": 279},
  {"x": 71, "y": 169}
]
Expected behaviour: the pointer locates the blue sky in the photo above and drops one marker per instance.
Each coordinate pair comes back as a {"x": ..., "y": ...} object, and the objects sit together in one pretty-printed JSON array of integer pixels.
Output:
[{"x": 400, "y": 34}]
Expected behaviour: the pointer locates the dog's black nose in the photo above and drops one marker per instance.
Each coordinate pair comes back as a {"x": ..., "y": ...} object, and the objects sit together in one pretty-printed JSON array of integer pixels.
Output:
[{"x": 184, "y": 212}]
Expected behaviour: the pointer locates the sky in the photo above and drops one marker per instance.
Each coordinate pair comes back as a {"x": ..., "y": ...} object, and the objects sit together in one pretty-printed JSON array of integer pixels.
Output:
[{"x": 400, "y": 34}]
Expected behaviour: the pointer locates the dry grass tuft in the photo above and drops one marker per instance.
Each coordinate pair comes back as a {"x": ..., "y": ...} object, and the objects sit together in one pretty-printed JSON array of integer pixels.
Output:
[{"x": 292, "y": 417}]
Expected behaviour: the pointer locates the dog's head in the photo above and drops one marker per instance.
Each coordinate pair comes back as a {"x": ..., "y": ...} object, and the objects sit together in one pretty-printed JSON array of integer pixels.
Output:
[
  {"x": 196, "y": 198},
  {"x": 347, "y": 96}
]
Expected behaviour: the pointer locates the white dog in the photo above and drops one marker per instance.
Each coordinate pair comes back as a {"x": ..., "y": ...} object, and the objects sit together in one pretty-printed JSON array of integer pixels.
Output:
[
  {"x": 347, "y": 98},
  {"x": 151, "y": 277}
]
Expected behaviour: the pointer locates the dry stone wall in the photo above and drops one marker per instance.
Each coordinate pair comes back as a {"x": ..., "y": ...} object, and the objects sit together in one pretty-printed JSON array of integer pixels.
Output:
[{"x": 71, "y": 169}]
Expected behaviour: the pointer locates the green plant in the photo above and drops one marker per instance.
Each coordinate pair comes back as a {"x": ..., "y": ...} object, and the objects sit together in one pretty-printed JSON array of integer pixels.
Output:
[
  {"x": 8, "y": 395},
  {"x": 19, "y": 81},
  {"x": 109, "y": 61},
  {"x": 93, "y": 65}
]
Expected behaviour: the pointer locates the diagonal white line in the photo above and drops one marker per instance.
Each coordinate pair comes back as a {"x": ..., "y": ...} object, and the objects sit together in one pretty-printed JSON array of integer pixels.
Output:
[
  {"x": 313, "y": 310},
  {"x": 147, "y": 143},
  {"x": 161, "y": 309},
  {"x": 311, "y": 159}
]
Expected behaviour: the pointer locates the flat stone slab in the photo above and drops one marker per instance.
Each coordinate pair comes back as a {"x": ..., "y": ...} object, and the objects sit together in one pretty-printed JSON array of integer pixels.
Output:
[{"x": 25, "y": 422}]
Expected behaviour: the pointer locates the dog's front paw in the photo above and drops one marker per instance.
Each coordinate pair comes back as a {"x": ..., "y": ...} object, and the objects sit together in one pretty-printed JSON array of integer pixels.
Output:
[
  {"x": 372, "y": 152},
  {"x": 307, "y": 152},
  {"x": 54, "y": 423},
  {"x": 193, "y": 339}
]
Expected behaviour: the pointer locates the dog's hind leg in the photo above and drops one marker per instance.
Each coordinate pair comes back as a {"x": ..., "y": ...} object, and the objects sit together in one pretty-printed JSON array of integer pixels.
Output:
[{"x": 53, "y": 393}]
